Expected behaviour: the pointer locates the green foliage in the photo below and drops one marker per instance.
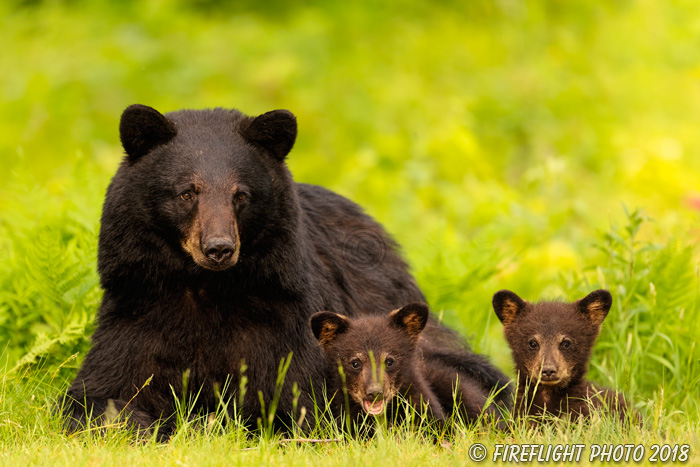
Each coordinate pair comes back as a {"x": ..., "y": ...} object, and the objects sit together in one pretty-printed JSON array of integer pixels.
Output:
[
  {"x": 49, "y": 292},
  {"x": 649, "y": 336},
  {"x": 495, "y": 139}
]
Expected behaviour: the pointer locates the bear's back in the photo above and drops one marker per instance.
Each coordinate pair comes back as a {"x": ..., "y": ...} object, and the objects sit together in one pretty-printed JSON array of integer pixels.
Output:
[{"x": 355, "y": 256}]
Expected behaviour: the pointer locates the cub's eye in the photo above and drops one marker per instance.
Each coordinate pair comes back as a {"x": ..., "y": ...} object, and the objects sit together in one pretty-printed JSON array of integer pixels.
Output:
[
  {"x": 389, "y": 362},
  {"x": 565, "y": 344},
  {"x": 356, "y": 364},
  {"x": 187, "y": 196},
  {"x": 240, "y": 197},
  {"x": 533, "y": 344}
]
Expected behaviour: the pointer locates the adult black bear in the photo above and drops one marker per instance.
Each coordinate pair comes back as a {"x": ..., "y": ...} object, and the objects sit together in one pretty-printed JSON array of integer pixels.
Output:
[{"x": 210, "y": 255}]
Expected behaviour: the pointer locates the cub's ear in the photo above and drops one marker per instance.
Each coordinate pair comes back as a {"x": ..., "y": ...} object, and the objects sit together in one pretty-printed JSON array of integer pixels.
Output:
[
  {"x": 142, "y": 129},
  {"x": 595, "y": 306},
  {"x": 275, "y": 131},
  {"x": 411, "y": 318},
  {"x": 327, "y": 326},
  {"x": 507, "y": 306}
]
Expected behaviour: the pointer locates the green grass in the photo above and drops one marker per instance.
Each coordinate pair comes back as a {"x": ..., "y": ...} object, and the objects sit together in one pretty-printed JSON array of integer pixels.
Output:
[{"x": 547, "y": 147}]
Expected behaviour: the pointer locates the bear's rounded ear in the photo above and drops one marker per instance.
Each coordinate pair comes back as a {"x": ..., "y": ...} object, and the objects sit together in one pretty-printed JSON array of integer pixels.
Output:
[
  {"x": 142, "y": 129},
  {"x": 507, "y": 305},
  {"x": 411, "y": 318},
  {"x": 275, "y": 131},
  {"x": 595, "y": 306},
  {"x": 327, "y": 326}
]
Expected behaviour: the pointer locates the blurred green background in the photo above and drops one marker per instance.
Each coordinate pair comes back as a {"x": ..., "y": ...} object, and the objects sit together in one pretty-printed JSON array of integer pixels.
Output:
[{"x": 505, "y": 144}]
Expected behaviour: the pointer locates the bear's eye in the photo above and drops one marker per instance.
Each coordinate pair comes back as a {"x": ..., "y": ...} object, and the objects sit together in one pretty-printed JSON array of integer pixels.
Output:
[
  {"x": 240, "y": 197},
  {"x": 186, "y": 196},
  {"x": 565, "y": 344},
  {"x": 533, "y": 344},
  {"x": 389, "y": 362},
  {"x": 356, "y": 364}
]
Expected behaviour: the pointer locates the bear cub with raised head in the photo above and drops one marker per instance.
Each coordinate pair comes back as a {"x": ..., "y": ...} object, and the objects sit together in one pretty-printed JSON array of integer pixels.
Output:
[
  {"x": 379, "y": 359},
  {"x": 551, "y": 345}
]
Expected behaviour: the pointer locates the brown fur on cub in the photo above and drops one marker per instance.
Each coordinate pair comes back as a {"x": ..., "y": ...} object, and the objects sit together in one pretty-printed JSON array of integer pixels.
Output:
[
  {"x": 379, "y": 360},
  {"x": 551, "y": 345}
]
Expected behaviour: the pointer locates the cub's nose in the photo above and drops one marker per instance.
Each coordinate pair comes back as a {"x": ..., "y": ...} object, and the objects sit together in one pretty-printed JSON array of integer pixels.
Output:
[
  {"x": 374, "y": 392},
  {"x": 548, "y": 372},
  {"x": 218, "y": 249}
]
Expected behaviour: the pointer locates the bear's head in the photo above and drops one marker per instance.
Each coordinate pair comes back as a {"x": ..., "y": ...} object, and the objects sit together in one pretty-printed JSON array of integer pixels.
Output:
[
  {"x": 376, "y": 352},
  {"x": 551, "y": 342},
  {"x": 212, "y": 184}
]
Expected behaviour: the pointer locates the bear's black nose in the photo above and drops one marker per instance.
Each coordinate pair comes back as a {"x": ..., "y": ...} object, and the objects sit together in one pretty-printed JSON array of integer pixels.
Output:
[
  {"x": 549, "y": 372},
  {"x": 219, "y": 249}
]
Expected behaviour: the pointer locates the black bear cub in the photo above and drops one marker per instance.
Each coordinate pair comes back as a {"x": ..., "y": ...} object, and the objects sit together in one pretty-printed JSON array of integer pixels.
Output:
[
  {"x": 379, "y": 361},
  {"x": 551, "y": 344}
]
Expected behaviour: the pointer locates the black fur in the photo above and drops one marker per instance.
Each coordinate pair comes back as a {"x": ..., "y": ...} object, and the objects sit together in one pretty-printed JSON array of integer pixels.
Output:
[
  {"x": 143, "y": 128},
  {"x": 168, "y": 306},
  {"x": 275, "y": 131}
]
